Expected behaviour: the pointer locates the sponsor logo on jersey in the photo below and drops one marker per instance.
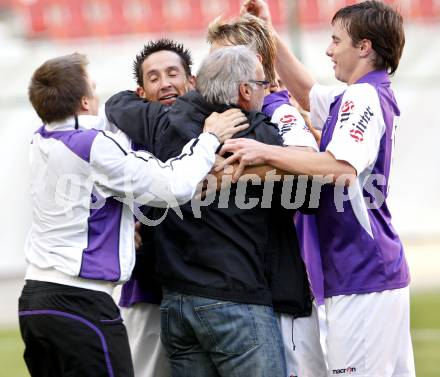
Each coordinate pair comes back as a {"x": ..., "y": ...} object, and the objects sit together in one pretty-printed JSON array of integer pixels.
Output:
[
  {"x": 346, "y": 110},
  {"x": 344, "y": 370},
  {"x": 288, "y": 121},
  {"x": 288, "y": 118},
  {"x": 359, "y": 128}
]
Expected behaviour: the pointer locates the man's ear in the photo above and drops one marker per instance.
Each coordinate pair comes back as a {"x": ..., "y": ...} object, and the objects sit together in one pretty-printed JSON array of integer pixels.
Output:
[
  {"x": 365, "y": 48},
  {"x": 244, "y": 92},
  {"x": 85, "y": 104},
  {"x": 192, "y": 82},
  {"x": 140, "y": 92}
]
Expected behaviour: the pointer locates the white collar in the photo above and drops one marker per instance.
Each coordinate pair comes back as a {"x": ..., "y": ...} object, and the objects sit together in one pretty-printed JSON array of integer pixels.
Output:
[{"x": 86, "y": 122}]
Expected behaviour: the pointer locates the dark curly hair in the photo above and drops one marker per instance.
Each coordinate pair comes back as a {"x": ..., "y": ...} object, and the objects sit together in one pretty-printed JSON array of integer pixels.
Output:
[{"x": 156, "y": 46}]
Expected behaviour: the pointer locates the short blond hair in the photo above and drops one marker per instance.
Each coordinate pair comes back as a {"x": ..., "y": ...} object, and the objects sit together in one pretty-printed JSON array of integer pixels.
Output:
[{"x": 250, "y": 31}]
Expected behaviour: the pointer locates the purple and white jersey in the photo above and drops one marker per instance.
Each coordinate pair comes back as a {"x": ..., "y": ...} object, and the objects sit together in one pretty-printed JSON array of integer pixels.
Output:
[
  {"x": 295, "y": 132},
  {"x": 360, "y": 250},
  {"x": 291, "y": 124},
  {"x": 84, "y": 185}
]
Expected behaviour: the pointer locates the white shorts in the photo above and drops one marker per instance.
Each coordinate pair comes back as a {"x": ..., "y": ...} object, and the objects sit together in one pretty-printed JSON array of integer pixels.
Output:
[
  {"x": 304, "y": 356},
  {"x": 142, "y": 321},
  {"x": 369, "y": 335}
]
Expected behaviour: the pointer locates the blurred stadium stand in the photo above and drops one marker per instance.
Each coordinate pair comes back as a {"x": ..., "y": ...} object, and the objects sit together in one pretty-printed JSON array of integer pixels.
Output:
[{"x": 85, "y": 18}]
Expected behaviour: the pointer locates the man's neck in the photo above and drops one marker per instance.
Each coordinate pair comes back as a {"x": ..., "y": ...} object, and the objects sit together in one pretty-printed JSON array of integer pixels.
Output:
[
  {"x": 83, "y": 112},
  {"x": 360, "y": 71}
]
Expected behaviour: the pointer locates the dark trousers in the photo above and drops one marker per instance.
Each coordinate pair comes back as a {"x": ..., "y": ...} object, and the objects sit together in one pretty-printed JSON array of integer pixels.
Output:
[{"x": 73, "y": 332}]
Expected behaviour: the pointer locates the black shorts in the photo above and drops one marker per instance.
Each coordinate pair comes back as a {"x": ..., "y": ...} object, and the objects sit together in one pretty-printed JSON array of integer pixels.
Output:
[{"x": 71, "y": 331}]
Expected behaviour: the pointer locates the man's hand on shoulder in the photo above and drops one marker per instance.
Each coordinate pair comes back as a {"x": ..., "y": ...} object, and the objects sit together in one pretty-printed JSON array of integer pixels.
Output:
[
  {"x": 225, "y": 125},
  {"x": 245, "y": 152}
]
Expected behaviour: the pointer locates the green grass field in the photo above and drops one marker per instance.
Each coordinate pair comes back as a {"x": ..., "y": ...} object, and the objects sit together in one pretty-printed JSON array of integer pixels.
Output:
[{"x": 425, "y": 324}]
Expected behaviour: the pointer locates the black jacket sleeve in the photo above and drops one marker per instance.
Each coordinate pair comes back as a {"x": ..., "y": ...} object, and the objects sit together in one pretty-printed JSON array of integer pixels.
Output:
[
  {"x": 135, "y": 117},
  {"x": 262, "y": 130}
]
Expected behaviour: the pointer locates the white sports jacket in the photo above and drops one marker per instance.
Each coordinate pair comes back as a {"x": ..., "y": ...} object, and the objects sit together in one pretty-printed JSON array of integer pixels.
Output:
[{"x": 84, "y": 183}]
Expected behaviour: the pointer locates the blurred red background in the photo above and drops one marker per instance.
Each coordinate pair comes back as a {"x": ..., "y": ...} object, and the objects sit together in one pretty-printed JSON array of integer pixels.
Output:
[{"x": 96, "y": 18}]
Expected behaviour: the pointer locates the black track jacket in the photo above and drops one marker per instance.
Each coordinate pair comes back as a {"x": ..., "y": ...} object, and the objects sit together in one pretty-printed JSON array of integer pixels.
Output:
[{"x": 227, "y": 253}]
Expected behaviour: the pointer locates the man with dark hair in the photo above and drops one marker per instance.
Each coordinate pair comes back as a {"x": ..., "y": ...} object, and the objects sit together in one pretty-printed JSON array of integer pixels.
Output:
[
  {"x": 162, "y": 70},
  {"x": 366, "y": 276},
  {"x": 55, "y": 98},
  {"x": 80, "y": 245}
]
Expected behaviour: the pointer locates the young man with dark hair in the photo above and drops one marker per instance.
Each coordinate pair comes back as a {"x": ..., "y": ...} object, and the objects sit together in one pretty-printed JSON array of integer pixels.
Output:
[
  {"x": 366, "y": 276},
  {"x": 162, "y": 70},
  {"x": 55, "y": 98},
  {"x": 80, "y": 245}
]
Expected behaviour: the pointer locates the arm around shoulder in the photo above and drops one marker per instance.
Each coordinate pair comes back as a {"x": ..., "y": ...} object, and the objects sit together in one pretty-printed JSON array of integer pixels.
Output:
[
  {"x": 140, "y": 177},
  {"x": 134, "y": 116}
]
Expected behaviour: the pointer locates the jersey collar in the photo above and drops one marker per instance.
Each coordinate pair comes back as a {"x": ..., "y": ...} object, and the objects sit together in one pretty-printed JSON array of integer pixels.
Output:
[
  {"x": 86, "y": 122},
  {"x": 375, "y": 77}
]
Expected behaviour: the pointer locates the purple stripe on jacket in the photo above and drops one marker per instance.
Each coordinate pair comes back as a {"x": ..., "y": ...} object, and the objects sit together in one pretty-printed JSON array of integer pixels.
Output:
[
  {"x": 101, "y": 257},
  {"x": 78, "y": 141}
]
